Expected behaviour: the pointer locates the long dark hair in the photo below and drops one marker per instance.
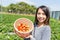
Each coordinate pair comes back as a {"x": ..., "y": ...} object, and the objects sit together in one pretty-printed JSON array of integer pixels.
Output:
[{"x": 47, "y": 13}]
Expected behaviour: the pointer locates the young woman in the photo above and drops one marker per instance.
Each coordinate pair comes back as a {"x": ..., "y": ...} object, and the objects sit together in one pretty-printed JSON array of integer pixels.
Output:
[{"x": 42, "y": 29}]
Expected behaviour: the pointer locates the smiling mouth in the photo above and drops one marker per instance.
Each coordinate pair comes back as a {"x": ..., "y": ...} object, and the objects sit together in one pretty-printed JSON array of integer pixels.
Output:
[{"x": 41, "y": 18}]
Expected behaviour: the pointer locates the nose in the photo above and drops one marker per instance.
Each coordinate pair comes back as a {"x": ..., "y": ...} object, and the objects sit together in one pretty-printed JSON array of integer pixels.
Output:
[{"x": 41, "y": 15}]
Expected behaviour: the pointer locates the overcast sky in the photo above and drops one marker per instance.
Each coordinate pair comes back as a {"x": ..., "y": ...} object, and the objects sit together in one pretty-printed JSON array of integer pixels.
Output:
[{"x": 52, "y": 4}]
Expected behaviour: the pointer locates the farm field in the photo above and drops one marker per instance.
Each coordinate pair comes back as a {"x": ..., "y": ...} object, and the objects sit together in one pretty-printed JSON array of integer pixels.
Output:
[{"x": 7, "y": 30}]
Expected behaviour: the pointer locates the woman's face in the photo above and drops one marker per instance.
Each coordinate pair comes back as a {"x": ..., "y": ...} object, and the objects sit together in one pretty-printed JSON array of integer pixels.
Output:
[{"x": 41, "y": 17}]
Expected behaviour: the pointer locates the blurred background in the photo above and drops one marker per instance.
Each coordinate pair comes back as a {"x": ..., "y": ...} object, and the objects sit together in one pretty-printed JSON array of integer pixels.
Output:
[{"x": 10, "y": 10}]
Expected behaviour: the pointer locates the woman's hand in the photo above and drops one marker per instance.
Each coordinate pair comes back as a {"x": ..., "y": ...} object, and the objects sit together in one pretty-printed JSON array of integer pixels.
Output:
[{"x": 22, "y": 35}]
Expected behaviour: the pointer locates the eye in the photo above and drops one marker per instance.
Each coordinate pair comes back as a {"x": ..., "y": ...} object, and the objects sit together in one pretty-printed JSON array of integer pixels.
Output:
[
  {"x": 43, "y": 13},
  {"x": 38, "y": 13}
]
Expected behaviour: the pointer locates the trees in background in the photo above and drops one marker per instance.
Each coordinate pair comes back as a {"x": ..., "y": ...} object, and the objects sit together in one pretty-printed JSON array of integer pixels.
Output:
[{"x": 20, "y": 8}]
